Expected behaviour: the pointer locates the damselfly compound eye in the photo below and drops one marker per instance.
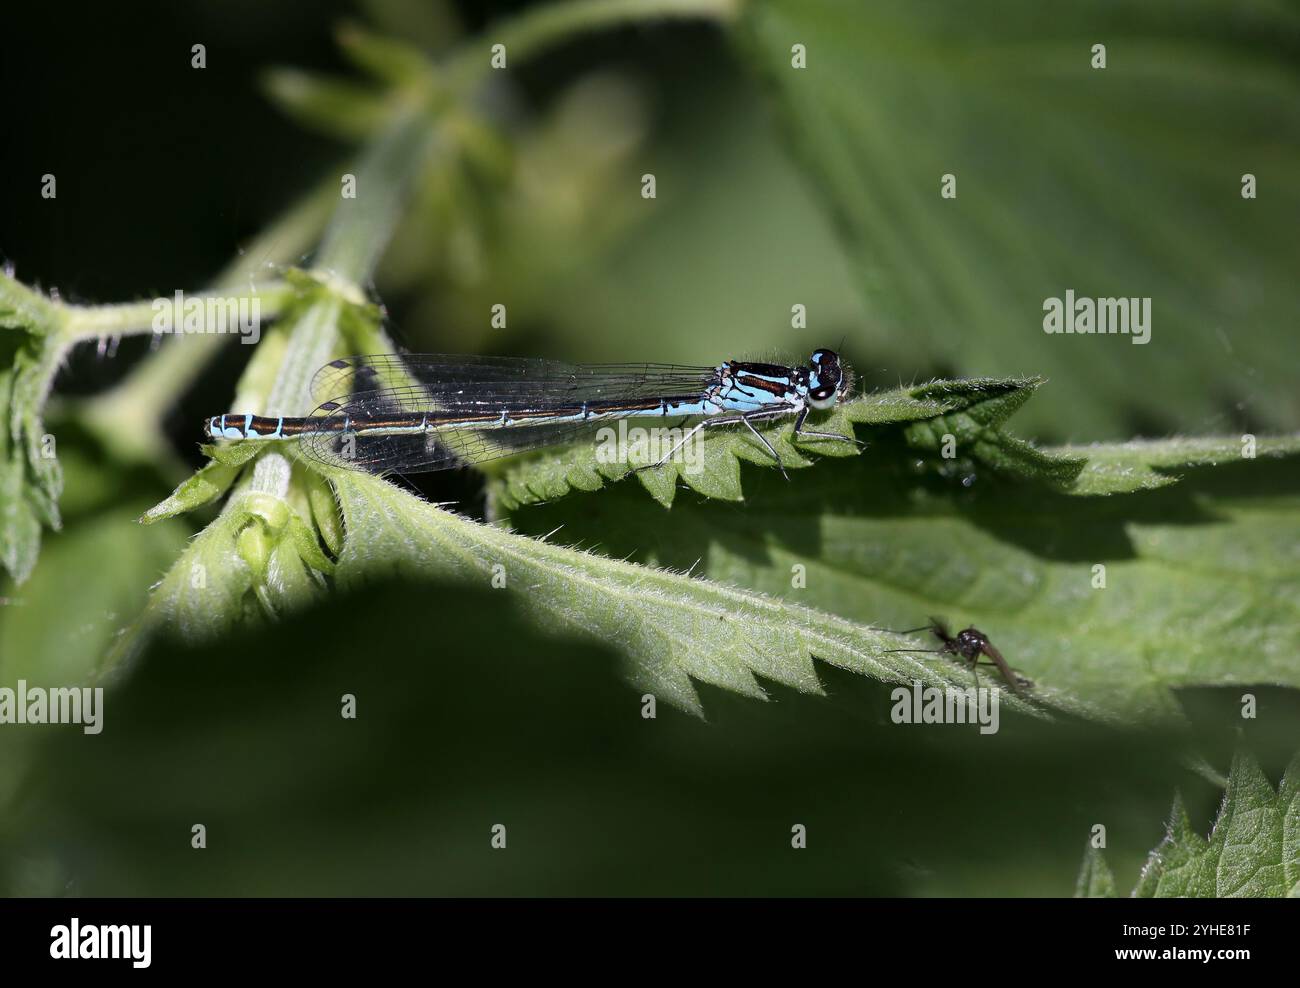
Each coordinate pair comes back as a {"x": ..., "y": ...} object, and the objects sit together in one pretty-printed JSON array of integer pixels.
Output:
[
  {"x": 823, "y": 397},
  {"x": 825, "y": 377}
]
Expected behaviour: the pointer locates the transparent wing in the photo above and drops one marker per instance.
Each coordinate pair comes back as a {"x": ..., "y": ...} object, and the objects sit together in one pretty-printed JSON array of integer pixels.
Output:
[
  {"x": 477, "y": 380},
  {"x": 438, "y": 449},
  {"x": 390, "y": 386}
]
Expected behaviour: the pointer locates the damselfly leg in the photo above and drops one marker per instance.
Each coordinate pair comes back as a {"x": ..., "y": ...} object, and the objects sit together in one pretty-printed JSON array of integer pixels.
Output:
[
  {"x": 801, "y": 433},
  {"x": 747, "y": 419}
]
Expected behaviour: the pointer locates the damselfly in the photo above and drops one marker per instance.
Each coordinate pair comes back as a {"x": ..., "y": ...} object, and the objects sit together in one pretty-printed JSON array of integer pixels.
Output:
[
  {"x": 409, "y": 413},
  {"x": 969, "y": 644}
]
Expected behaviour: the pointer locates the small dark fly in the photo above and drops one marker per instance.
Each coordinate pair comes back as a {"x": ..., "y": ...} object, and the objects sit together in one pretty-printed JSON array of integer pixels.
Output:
[{"x": 970, "y": 645}]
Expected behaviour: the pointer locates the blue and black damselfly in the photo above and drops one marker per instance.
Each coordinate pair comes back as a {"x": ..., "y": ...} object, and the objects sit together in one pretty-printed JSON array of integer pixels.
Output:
[{"x": 411, "y": 413}]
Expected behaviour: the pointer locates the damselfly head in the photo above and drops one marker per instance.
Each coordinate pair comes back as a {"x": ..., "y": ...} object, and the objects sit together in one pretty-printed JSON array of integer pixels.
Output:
[{"x": 827, "y": 381}]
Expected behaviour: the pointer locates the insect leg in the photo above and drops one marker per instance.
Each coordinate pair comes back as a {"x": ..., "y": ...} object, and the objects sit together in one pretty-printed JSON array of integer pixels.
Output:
[
  {"x": 748, "y": 419},
  {"x": 762, "y": 439},
  {"x": 729, "y": 420},
  {"x": 1017, "y": 679},
  {"x": 799, "y": 432},
  {"x": 669, "y": 455}
]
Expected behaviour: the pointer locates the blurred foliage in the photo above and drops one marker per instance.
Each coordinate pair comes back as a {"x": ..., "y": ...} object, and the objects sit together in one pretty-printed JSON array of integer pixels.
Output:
[
  {"x": 30, "y": 477},
  {"x": 466, "y": 718},
  {"x": 591, "y": 271},
  {"x": 94, "y": 576},
  {"x": 1124, "y": 180}
]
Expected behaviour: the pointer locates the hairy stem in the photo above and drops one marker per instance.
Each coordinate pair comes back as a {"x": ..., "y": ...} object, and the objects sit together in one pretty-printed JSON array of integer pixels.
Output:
[
  {"x": 541, "y": 27},
  {"x": 157, "y": 382},
  {"x": 129, "y": 318},
  {"x": 354, "y": 243}
]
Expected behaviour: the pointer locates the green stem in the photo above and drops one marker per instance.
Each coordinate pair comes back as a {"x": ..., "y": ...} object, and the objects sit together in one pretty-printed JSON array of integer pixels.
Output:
[
  {"x": 127, "y": 318},
  {"x": 528, "y": 33},
  {"x": 125, "y": 418},
  {"x": 362, "y": 226},
  {"x": 135, "y": 404},
  {"x": 354, "y": 243}
]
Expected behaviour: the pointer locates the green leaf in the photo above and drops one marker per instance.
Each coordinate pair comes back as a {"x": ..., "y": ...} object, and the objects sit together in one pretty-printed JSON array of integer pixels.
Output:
[
  {"x": 1253, "y": 849},
  {"x": 1140, "y": 465},
  {"x": 211, "y": 481},
  {"x": 30, "y": 479},
  {"x": 49, "y": 636},
  {"x": 337, "y": 107},
  {"x": 1095, "y": 878},
  {"x": 204, "y": 592},
  {"x": 972, "y": 411},
  {"x": 1180, "y": 859},
  {"x": 673, "y": 628},
  {"x": 257, "y": 561},
  {"x": 233, "y": 454},
  {"x": 397, "y": 63},
  {"x": 1116, "y": 181},
  {"x": 1114, "y": 601},
  {"x": 20, "y": 526},
  {"x": 975, "y": 427}
]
